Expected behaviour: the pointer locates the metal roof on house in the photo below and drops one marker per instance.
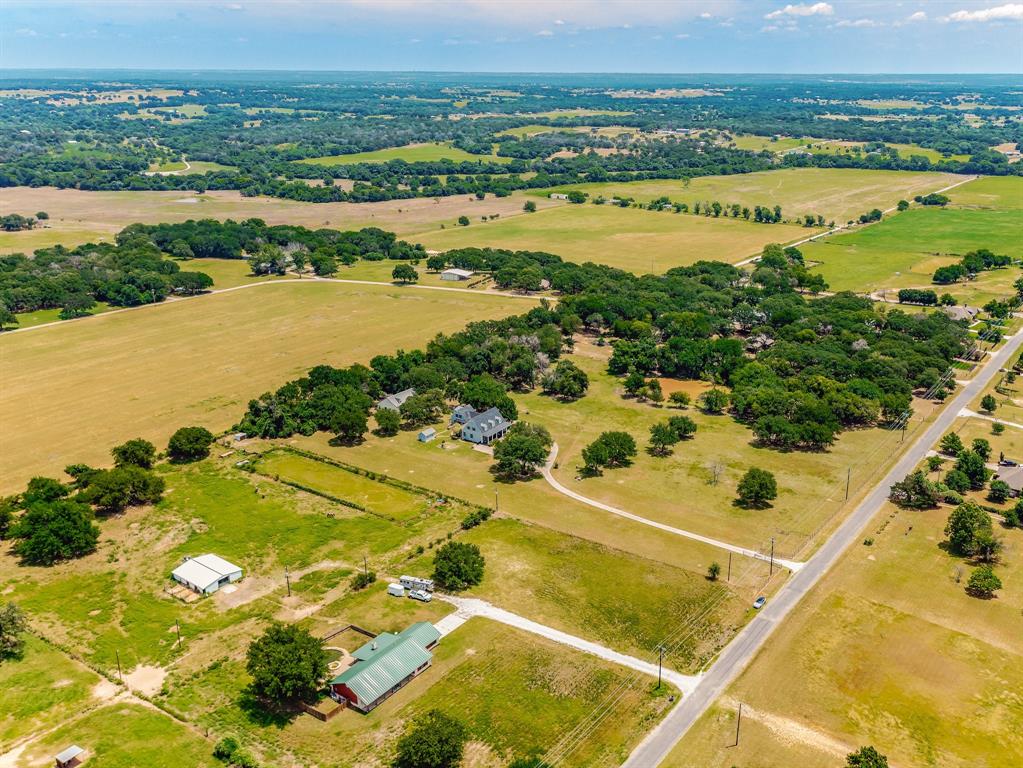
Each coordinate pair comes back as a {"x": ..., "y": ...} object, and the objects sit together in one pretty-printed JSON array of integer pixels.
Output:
[
  {"x": 490, "y": 422},
  {"x": 395, "y": 400},
  {"x": 205, "y": 570},
  {"x": 386, "y": 660},
  {"x": 457, "y": 272},
  {"x": 1013, "y": 477}
]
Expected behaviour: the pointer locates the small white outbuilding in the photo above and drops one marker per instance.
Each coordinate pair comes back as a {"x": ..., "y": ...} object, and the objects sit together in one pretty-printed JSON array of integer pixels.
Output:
[
  {"x": 206, "y": 574},
  {"x": 455, "y": 274}
]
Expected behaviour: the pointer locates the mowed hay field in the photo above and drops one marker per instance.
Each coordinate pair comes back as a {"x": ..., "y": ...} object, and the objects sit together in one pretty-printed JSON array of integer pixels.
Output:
[
  {"x": 78, "y": 217},
  {"x": 636, "y": 240},
  {"x": 72, "y": 391},
  {"x": 412, "y": 153},
  {"x": 889, "y": 650},
  {"x": 905, "y": 249},
  {"x": 834, "y": 193}
]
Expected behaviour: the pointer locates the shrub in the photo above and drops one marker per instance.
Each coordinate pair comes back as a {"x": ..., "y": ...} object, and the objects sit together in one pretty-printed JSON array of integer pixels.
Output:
[
  {"x": 476, "y": 517},
  {"x": 433, "y": 740},
  {"x": 363, "y": 579},
  {"x": 984, "y": 582}
]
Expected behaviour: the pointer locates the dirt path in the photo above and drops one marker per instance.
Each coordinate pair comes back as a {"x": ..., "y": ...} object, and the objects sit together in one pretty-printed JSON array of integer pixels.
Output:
[
  {"x": 469, "y": 607},
  {"x": 792, "y": 731},
  {"x": 791, "y": 565}
]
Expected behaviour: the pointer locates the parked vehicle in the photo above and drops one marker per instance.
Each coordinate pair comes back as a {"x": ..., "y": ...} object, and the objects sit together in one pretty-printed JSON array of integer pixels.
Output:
[
  {"x": 759, "y": 602},
  {"x": 415, "y": 582},
  {"x": 396, "y": 590},
  {"x": 420, "y": 594}
]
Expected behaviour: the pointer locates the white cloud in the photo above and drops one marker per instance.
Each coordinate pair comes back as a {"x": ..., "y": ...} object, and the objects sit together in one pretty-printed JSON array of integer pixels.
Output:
[
  {"x": 545, "y": 33},
  {"x": 234, "y": 7},
  {"x": 705, "y": 15},
  {"x": 559, "y": 22},
  {"x": 682, "y": 36},
  {"x": 1009, "y": 11},
  {"x": 858, "y": 23},
  {"x": 918, "y": 16},
  {"x": 817, "y": 9},
  {"x": 25, "y": 32}
]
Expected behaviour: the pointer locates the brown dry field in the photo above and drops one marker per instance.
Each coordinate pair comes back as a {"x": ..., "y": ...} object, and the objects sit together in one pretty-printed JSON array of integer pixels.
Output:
[
  {"x": 71, "y": 391},
  {"x": 77, "y": 217}
]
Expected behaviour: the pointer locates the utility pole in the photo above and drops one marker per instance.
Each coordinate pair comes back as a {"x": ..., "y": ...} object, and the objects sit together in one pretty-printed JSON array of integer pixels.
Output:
[
  {"x": 178, "y": 628},
  {"x": 365, "y": 566},
  {"x": 771, "y": 571},
  {"x": 848, "y": 477},
  {"x": 119, "y": 675},
  {"x": 729, "y": 577},
  {"x": 738, "y": 722},
  {"x": 287, "y": 579},
  {"x": 660, "y": 663},
  {"x": 496, "y": 505}
]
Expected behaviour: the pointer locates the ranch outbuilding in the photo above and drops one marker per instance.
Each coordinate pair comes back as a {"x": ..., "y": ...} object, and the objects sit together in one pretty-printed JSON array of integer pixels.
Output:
[{"x": 206, "y": 574}]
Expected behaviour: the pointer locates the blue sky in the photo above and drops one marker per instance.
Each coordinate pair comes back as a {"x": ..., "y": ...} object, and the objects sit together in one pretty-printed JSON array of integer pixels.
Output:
[{"x": 518, "y": 35}]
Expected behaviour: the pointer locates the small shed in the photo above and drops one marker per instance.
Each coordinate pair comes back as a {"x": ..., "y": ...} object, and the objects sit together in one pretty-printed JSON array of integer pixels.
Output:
[
  {"x": 455, "y": 274},
  {"x": 70, "y": 757},
  {"x": 427, "y": 435},
  {"x": 558, "y": 196},
  {"x": 206, "y": 574}
]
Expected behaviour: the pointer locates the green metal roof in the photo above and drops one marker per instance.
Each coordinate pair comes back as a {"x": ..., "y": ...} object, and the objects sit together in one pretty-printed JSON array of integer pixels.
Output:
[{"x": 386, "y": 660}]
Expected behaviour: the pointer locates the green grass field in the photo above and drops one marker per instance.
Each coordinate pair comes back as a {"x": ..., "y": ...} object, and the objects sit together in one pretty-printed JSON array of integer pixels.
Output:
[
  {"x": 905, "y": 250},
  {"x": 413, "y": 153},
  {"x": 633, "y": 612},
  {"x": 835, "y": 193},
  {"x": 888, "y": 651},
  {"x": 124, "y": 735},
  {"x": 637, "y": 240},
  {"x": 146, "y": 372},
  {"x": 824, "y": 146},
  {"x": 42, "y": 687}
]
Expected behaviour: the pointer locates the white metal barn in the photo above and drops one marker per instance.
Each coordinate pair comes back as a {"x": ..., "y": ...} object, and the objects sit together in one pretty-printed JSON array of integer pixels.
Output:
[{"x": 206, "y": 573}]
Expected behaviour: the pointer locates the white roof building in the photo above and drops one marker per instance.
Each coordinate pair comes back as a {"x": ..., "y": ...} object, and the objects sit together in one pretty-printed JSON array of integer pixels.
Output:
[
  {"x": 455, "y": 274},
  {"x": 206, "y": 573},
  {"x": 69, "y": 756}
]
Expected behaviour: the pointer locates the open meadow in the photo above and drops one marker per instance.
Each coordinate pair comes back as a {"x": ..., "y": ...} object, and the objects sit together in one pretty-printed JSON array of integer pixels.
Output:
[
  {"x": 830, "y": 147},
  {"x": 888, "y": 650},
  {"x": 904, "y": 250},
  {"x": 151, "y": 370},
  {"x": 640, "y": 241},
  {"x": 837, "y": 194},
  {"x": 413, "y": 153},
  {"x": 79, "y": 217}
]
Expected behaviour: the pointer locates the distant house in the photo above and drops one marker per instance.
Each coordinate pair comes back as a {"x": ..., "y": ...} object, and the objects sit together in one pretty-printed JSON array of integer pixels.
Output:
[
  {"x": 558, "y": 196},
  {"x": 484, "y": 428},
  {"x": 455, "y": 274},
  {"x": 70, "y": 757},
  {"x": 1012, "y": 477},
  {"x": 393, "y": 402},
  {"x": 206, "y": 574},
  {"x": 462, "y": 414},
  {"x": 427, "y": 435},
  {"x": 384, "y": 665},
  {"x": 964, "y": 312}
]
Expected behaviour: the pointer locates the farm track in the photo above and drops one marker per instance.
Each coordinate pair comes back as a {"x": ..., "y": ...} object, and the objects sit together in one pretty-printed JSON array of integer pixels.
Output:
[
  {"x": 791, "y": 565},
  {"x": 844, "y": 227}
]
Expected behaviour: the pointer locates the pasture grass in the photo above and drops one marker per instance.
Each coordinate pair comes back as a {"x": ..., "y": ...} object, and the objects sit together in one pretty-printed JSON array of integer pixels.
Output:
[
  {"x": 125, "y": 735},
  {"x": 829, "y": 147},
  {"x": 42, "y": 687},
  {"x": 888, "y": 650},
  {"x": 906, "y": 249},
  {"x": 837, "y": 194},
  {"x": 78, "y": 216},
  {"x": 640, "y": 241},
  {"x": 632, "y": 611},
  {"x": 149, "y": 371},
  {"x": 412, "y": 153}
]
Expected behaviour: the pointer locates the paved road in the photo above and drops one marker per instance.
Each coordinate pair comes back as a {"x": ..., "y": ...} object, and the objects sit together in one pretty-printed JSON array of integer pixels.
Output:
[
  {"x": 792, "y": 565},
  {"x": 842, "y": 227},
  {"x": 469, "y": 607},
  {"x": 738, "y": 654}
]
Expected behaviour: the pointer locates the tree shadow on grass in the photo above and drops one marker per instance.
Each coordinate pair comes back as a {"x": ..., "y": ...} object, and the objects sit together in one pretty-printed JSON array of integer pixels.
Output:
[{"x": 265, "y": 714}]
